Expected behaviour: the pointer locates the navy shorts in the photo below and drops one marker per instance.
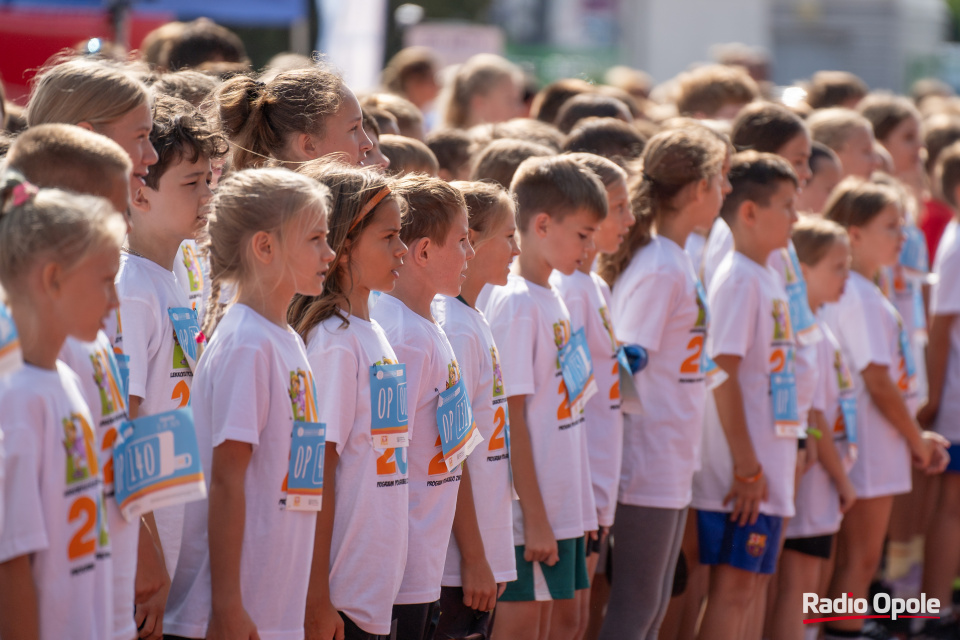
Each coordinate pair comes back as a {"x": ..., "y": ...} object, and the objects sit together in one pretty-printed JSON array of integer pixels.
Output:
[
  {"x": 753, "y": 548},
  {"x": 954, "y": 465}
]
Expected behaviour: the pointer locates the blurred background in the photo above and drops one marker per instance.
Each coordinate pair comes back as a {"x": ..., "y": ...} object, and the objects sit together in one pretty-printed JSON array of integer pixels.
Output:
[{"x": 888, "y": 43}]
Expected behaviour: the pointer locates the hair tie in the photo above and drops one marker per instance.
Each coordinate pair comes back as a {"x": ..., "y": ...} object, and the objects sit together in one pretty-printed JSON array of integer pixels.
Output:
[
  {"x": 16, "y": 189},
  {"x": 647, "y": 178},
  {"x": 23, "y": 192},
  {"x": 370, "y": 206}
]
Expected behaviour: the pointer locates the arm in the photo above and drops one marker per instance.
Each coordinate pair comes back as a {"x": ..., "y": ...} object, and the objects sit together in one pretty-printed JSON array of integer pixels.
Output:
[
  {"x": 322, "y": 621},
  {"x": 938, "y": 350},
  {"x": 928, "y": 448},
  {"x": 19, "y": 613},
  {"x": 746, "y": 496},
  {"x": 829, "y": 458},
  {"x": 540, "y": 544},
  {"x": 228, "y": 619},
  {"x": 152, "y": 581},
  {"x": 479, "y": 585},
  {"x": 133, "y": 410}
]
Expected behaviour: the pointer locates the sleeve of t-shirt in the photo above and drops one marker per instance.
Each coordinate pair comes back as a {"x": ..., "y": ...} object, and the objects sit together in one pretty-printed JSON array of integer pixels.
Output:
[
  {"x": 241, "y": 395},
  {"x": 945, "y": 298},
  {"x": 646, "y": 309},
  {"x": 24, "y": 529},
  {"x": 862, "y": 325},
  {"x": 140, "y": 341},
  {"x": 337, "y": 397},
  {"x": 417, "y": 360},
  {"x": 734, "y": 305},
  {"x": 514, "y": 332}
]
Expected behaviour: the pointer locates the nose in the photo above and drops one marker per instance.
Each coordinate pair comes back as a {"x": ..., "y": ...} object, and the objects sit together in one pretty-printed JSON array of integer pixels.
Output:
[
  {"x": 470, "y": 252},
  {"x": 365, "y": 143},
  {"x": 403, "y": 249},
  {"x": 150, "y": 156}
]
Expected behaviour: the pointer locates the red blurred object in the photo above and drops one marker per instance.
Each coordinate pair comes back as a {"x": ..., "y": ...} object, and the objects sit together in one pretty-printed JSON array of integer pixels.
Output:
[{"x": 29, "y": 37}]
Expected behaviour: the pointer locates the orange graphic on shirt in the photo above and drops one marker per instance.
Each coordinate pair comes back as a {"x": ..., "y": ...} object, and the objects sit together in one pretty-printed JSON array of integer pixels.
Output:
[{"x": 78, "y": 441}]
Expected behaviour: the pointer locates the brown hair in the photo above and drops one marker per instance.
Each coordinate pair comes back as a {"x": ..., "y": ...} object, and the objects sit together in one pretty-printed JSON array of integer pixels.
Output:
[
  {"x": 588, "y": 105},
  {"x": 708, "y": 89},
  {"x": 154, "y": 45},
  {"x": 755, "y": 177},
  {"x": 814, "y": 236},
  {"x": 947, "y": 174},
  {"x": 765, "y": 126},
  {"x": 411, "y": 62},
  {"x": 190, "y": 85},
  {"x": 546, "y": 104},
  {"x": 525, "y": 129},
  {"x": 408, "y": 116},
  {"x": 941, "y": 131},
  {"x": 351, "y": 191},
  {"x": 201, "y": 41},
  {"x": 834, "y": 88},
  {"x": 488, "y": 206},
  {"x": 501, "y": 158},
  {"x": 672, "y": 160},
  {"x": 180, "y": 133},
  {"x": 558, "y": 186},
  {"x": 259, "y": 118},
  {"x": 451, "y": 148},
  {"x": 68, "y": 157},
  {"x": 476, "y": 76},
  {"x": 608, "y": 171},
  {"x": 431, "y": 206},
  {"x": 855, "y": 202},
  {"x": 408, "y": 155},
  {"x": 245, "y": 203},
  {"x": 833, "y": 127},
  {"x": 84, "y": 90},
  {"x": 607, "y": 137},
  {"x": 886, "y": 111}
]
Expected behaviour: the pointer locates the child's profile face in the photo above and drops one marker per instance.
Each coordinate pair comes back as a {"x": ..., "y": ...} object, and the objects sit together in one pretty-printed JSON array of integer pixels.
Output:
[
  {"x": 88, "y": 293},
  {"x": 449, "y": 260},
  {"x": 774, "y": 220},
  {"x": 709, "y": 207},
  {"x": 375, "y": 157},
  {"x": 827, "y": 278},
  {"x": 857, "y": 157},
  {"x": 813, "y": 198},
  {"x": 179, "y": 205},
  {"x": 495, "y": 255},
  {"x": 904, "y": 145},
  {"x": 343, "y": 135},
  {"x": 568, "y": 242},
  {"x": 306, "y": 254},
  {"x": 797, "y": 152},
  {"x": 132, "y": 132},
  {"x": 613, "y": 229},
  {"x": 880, "y": 240},
  {"x": 376, "y": 257}
]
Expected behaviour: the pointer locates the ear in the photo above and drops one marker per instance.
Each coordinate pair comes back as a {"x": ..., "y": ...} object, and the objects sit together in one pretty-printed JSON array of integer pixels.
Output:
[
  {"x": 141, "y": 200},
  {"x": 86, "y": 125},
  {"x": 747, "y": 213},
  {"x": 420, "y": 250},
  {"x": 306, "y": 146},
  {"x": 263, "y": 247},
  {"x": 856, "y": 235},
  {"x": 51, "y": 278},
  {"x": 541, "y": 223},
  {"x": 472, "y": 238}
]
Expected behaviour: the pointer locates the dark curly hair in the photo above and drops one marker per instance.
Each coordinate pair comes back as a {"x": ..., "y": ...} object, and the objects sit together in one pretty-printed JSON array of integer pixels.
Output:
[{"x": 181, "y": 132}]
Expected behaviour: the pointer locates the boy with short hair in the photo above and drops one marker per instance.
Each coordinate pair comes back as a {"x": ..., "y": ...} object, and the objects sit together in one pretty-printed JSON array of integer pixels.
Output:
[
  {"x": 560, "y": 204},
  {"x": 435, "y": 231},
  {"x": 452, "y": 149},
  {"x": 500, "y": 159},
  {"x": 745, "y": 487},
  {"x": 715, "y": 92}
]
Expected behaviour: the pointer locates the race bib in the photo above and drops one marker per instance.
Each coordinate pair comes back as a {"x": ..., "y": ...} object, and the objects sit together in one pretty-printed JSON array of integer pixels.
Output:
[
  {"x": 305, "y": 475},
  {"x": 914, "y": 255},
  {"x": 801, "y": 317},
  {"x": 123, "y": 366},
  {"x": 713, "y": 375},
  {"x": 187, "y": 327},
  {"x": 783, "y": 393},
  {"x": 576, "y": 366},
  {"x": 629, "y": 397},
  {"x": 156, "y": 463},
  {"x": 459, "y": 435},
  {"x": 907, "y": 353},
  {"x": 388, "y": 406}
]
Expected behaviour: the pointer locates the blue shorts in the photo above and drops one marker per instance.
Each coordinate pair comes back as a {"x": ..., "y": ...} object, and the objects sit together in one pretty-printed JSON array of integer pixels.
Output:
[
  {"x": 753, "y": 548},
  {"x": 954, "y": 465}
]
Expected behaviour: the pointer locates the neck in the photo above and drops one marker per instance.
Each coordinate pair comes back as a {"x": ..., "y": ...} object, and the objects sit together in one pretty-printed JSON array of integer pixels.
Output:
[
  {"x": 587, "y": 265},
  {"x": 40, "y": 341},
  {"x": 359, "y": 300},
  {"x": 415, "y": 292},
  {"x": 865, "y": 268},
  {"x": 471, "y": 289},
  {"x": 676, "y": 228},
  {"x": 755, "y": 251},
  {"x": 154, "y": 248},
  {"x": 814, "y": 302},
  {"x": 534, "y": 268},
  {"x": 271, "y": 302}
]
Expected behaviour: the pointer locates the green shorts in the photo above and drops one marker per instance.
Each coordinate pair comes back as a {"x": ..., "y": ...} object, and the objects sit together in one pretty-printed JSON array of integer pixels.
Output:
[{"x": 537, "y": 581}]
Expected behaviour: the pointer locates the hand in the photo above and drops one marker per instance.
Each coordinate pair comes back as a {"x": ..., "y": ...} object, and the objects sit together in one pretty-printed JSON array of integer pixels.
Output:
[
  {"x": 926, "y": 415},
  {"x": 232, "y": 624},
  {"x": 323, "y": 622},
  {"x": 746, "y": 498},
  {"x": 151, "y": 587},
  {"x": 479, "y": 585},
  {"x": 848, "y": 495},
  {"x": 931, "y": 455},
  {"x": 539, "y": 543}
]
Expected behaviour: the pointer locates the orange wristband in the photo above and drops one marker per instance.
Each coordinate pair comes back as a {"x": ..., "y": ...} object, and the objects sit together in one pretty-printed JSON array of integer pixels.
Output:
[{"x": 750, "y": 479}]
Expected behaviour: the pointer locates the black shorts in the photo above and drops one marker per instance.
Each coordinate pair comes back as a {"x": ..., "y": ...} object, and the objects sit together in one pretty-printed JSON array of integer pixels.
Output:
[{"x": 816, "y": 546}]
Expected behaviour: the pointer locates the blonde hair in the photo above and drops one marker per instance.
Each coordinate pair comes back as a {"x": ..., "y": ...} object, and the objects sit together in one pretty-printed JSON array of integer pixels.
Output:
[
  {"x": 855, "y": 202},
  {"x": 489, "y": 206},
  {"x": 672, "y": 160},
  {"x": 84, "y": 90},
  {"x": 476, "y": 76},
  {"x": 245, "y": 203},
  {"x": 833, "y": 88},
  {"x": 62, "y": 226},
  {"x": 351, "y": 192},
  {"x": 834, "y": 127},
  {"x": 813, "y": 237},
  {"x": 432, "y": 204},
  {"x": 260, "y": 118}
]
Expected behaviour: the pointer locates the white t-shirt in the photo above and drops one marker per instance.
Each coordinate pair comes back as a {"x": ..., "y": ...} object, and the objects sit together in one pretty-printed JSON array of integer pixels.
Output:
[
  {"x": 945, "y": 300},
  {"x": 54, "y": 502},
  {"x": 368, "y": 550},
  {"x": 587, "y": 298},
  {"x": 11, "y": 357},
  {"x": 655, "y": 305},
  {"x": 695, "y": 246},
  {"x": 472, "y": 342},
  {"x": 719, "y": 246},
  {"x": 530, "y": 324},
  {"x": 97, "y": 369},
  {"x": 159, "y": 372},
  {"x": 868, "y": 329},
  {"x": 750, "y": 318},
  {"x": 252, "y": 382},
  {"x": 431, "y": 368},
  {"x": 190, "y": 271},
  {"x": 818, "y": 502}
]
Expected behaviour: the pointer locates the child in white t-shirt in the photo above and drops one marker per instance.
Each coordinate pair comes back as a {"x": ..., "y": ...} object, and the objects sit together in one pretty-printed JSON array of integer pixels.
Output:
[
  {"x": 560, "y": 204},
  {"x": 435, "y": 229},
  {"x": 876, "y": 348},
  {"x": 656, "y": 305},
  {"x": 59, "y": 254},
  {"x": 824, "y": 492},
  {"x": 744, "y": 488},
  {"x": 244, "y": 564},
  {"x": 366, "y": 498},
  {"x": 169, "y": 208},
  {"x": 942, "y": 410},
  {"x": 468, "y": 595}
]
